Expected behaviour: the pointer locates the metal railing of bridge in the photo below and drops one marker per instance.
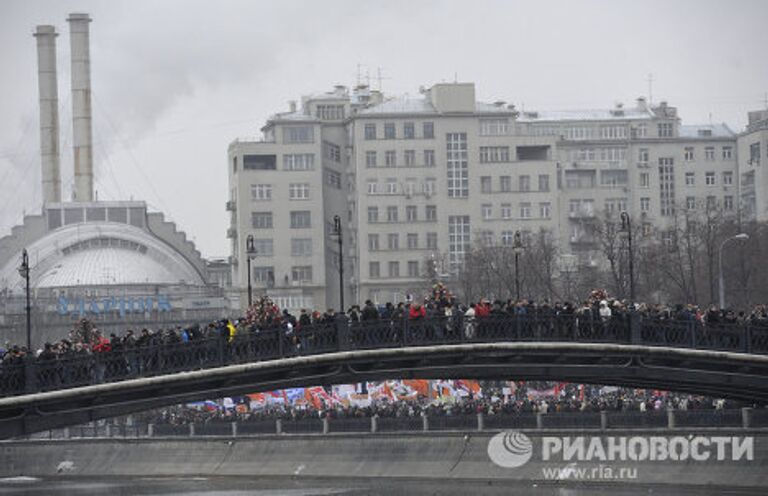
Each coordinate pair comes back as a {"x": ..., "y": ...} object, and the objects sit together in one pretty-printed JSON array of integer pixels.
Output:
[
  {"x": 22, "y": 375},
  {"x": 743, "y": 418}
]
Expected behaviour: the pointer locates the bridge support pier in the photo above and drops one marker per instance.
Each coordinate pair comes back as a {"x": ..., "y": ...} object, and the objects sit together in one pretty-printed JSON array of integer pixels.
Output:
[
  {"x": 234, "y": 429},
  {"x": 374, "y": 424},
  {"x": 670, "y": 419},
  {"x": 480, "y": 422},
  {"x": 279, "y": 426},
  {"x": 67, "y": 434},
  {"x": 424, "y": 422},
  {"x": 191, "y": 430},
  {"x": 539, "y": 420},
  {"x": 746, "y": 417},
  {"x": 603, "y": 420},
  {"x": 150, "y": 430},
  {"x": 108, "y": 430},
  {"x": 326, "y": 425}
]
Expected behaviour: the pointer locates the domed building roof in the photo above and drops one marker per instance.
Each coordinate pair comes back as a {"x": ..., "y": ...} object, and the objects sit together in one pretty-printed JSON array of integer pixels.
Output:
[{"x": 100, "y": 253}]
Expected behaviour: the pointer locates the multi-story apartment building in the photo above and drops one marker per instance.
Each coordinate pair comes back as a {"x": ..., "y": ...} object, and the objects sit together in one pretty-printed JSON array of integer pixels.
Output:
[{"x": 419, "y": 180}]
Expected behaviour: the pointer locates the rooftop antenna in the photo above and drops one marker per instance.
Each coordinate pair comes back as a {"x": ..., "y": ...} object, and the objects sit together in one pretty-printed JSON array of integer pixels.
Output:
[
  {"x": 380, "y": 78},
  {"x": 650, "y": 88}
]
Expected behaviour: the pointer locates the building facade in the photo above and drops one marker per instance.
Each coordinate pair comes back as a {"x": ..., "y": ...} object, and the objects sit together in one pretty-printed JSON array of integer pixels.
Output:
[{"x": 417, "y": 181}]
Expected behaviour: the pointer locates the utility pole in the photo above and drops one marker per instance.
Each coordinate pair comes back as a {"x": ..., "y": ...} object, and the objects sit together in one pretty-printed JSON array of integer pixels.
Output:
[{"x": 337, "y": 231}]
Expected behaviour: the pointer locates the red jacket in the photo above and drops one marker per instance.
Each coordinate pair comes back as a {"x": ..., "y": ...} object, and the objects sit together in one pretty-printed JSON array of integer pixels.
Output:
[
  {"x": 417, "y": 312},
  {"x": 102, "y": 345}
]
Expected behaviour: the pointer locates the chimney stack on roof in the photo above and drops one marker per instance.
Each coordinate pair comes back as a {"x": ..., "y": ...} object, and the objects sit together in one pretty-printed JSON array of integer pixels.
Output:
[
  {"x": 49, "y": 113},
  {"x": 81, "y": 106}
]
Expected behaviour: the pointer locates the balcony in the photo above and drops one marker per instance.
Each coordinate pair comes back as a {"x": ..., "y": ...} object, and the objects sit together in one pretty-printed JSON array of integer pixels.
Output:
[
  {"x": 230, "y": 206},
  {"x": 581, "y": 214}
]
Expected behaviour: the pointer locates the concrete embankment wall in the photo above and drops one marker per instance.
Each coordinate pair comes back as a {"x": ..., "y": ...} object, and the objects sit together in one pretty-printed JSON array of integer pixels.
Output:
[{"x": 428, "y": 455}]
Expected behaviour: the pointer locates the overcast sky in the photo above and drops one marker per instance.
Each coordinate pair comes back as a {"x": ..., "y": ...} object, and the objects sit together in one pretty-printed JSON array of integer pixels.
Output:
[{"x": 174, "y": 82}]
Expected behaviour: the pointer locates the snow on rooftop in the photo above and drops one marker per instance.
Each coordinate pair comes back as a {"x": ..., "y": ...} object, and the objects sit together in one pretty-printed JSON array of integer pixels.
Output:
[
  {"x": 585, "y": 115},
  {"x": 421, "y": 105},
  {"x": 706, "y": 131}
]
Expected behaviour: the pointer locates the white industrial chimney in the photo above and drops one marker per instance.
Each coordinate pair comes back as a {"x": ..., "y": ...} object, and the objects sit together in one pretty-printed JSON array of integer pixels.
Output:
[
  {"x": 49, "y": 113},
  {"x": 81, "y": 106}
]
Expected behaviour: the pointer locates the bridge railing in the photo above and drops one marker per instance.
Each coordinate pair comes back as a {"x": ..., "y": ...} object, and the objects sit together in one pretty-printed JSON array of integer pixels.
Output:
[{"x": 25, "y": 375}]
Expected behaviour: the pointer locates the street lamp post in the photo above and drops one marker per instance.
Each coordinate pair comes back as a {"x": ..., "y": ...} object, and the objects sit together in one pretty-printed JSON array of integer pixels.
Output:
[
  {"x": 517, "y": 247},
  {"x": 626, "y": 227},
  {"x": 740, "y": 236},
  {"x": 250, "y": 251},
  {"x": 337, "y": 232},
  {"x": 24, "y": 272}
]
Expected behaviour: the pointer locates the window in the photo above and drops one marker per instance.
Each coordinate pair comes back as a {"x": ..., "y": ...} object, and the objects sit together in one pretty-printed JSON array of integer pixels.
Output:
[
  {"x": 373, "y": 186},
  {"x": 391, "y": 186},
  {"x": 525, "y": 183},
  {"x": 409, "y": 131},
  {"x": 711, "y": 203},
  {"x": 754, "y": 153},
  {"x": 709, "y": 178},
  {"x": 373, "y": 242},
  {"x": 487, "y": 210},
  {"x": 373, "y": 270},
  {"x": 727, "y": 178},
  {"x": 429, "y": 158},
  {"x": 370, "y": 131},
  {"x": 645, "y": 180},
  {"x": 411, "y": 213},
  {"x": 457, "y": 166},
  {"x": 333, "y": 178},
  {"x": 525, "y": 210},
  {"x": 690, "y": 179},
  {"x": 428, "y": 187},
  {"x": 688, "y": 154},
  {"x": 690, "y": 202},
  {"x": 393, "y": 241},
  {"x": 709, "y": 153},
  {"x": 507, "y": 238},
  {"x": 298, "y": 134},
  {"x": 642, "y": 157},
  {"x": 389, "y": 130},
  {"x": 373, "y": 214},
  {"x": 458, "y": 239},
  {"x": 613, "y": 178},
  {"x": 645, "y": 204},
  {"x": 613, "y": 132},
  {"x": 431, "y": 213},
  {"x": 301, "y": 273},
  {"x": 370, "y": 159},
  {"x": 261, "y": 220},
  {"x": 665, "y": 130},
  {"x": 727, "y": 153},
  {"x": 298, "y": 162},
  {"x": 298, "y": 191},
  {"x": 332, "y": 151},
  {"x": 413, "y": 268},
  {"x": 410, "y": 158},
  {"x": 301, "y": 247},
  {"x": 494, "y": 154},
  {"x": 391, "y": 214},
  {"x": 494, "y": 127},
  {"x": 506, "y": 210},
  {"x": 301, "y": 219},
  {"x": 394, "y": 269},
  {"x": 330, "y": 112},
  {"x": 259, "y": 162},
  {"x": 263, "y": 246},
  {"x": 543, "y": 182},
  {"x": 432, "y": 241},
  {"x": 485, "y": 184},
  {"x": 390, "y": 158},
  {"x": 641, "y": 131},
  {"x": 261, "y": 192},
  {"x": 667, "y": 187},
  {"x": 428, "y": 129},
  {"x": 545, "y": 210},
  {"x": 264, "y": 275},
  {"x": 486, "y": 237},
  {"x": 728, "y": 202},
  {"x": 505, "y": 183},
  {"x": 412, "y": 240}
]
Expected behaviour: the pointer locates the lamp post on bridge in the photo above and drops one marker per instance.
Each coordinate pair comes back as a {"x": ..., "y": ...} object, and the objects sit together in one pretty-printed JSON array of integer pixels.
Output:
[
  {"x": 24, "y": 272},
  {"x": 740, "y": 236},
  {"x": 337, "y": 232},
  {"x": 517, "y": 247},
  {"x": 626, "y": 228},
  {"x": 250, "y": 251}
]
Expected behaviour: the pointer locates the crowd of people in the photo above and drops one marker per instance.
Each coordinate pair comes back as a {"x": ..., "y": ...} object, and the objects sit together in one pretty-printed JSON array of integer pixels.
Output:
[{"x": 566, "y": 398}]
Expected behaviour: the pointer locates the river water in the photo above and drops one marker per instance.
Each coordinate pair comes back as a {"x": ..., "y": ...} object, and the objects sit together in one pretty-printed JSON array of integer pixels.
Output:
[{"x": 243, "y": 486}]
